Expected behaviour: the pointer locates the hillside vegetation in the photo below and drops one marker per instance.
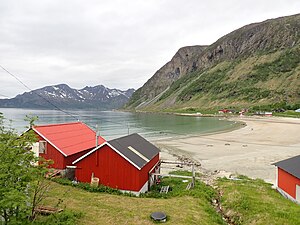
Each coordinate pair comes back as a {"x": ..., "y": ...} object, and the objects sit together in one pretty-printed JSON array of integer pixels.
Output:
[
  {"x": 256, "y": 65},
  {"x": 181, "y": 206},
  {"x": 248, "y": 201},
  {"x": 243, "y": 201}
]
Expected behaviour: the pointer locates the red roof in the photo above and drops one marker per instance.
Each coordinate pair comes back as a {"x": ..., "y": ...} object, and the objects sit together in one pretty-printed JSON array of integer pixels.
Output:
[{"x": 69, "y": 138}]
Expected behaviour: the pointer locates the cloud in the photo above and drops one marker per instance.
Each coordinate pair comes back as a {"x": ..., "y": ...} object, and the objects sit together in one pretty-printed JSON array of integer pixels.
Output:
[{"x": 116, "y": 43}]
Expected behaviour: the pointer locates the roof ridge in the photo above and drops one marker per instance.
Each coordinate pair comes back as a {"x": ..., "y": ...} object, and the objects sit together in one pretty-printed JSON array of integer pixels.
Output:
[
  {"x": 58, "y": 124},
  {"x": 123, "y": 137},
  {"x": 85, "y": 141}
]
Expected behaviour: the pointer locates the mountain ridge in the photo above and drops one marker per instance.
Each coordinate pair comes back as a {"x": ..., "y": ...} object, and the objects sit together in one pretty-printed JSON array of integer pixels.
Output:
[
  {"x": 63, "y": 96},
  {"x": 236, "y": 65}
]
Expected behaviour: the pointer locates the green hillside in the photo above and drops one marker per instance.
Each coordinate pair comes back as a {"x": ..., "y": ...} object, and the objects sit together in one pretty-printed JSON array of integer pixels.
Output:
[
  {"x": 258, "y": 80},
  {"x": 256, "y": 65},
  {"x": 242, "y": 201}
]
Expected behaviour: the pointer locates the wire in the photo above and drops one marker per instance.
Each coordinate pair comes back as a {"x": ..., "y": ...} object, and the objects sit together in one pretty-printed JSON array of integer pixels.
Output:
[
  {"x": 101, "y": 119},
  {"x": 56, "y": 107},
  {"x": 74, "y": 115},
  {"x": 4, "y": 96}
]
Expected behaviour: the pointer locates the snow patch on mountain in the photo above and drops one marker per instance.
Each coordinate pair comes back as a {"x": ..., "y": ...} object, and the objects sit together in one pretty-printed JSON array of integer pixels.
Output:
[{"x": 62, "y": 95}]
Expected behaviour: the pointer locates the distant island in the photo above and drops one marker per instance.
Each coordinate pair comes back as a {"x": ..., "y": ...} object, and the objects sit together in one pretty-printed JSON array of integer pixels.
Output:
[{"x": 65, "y": 97}]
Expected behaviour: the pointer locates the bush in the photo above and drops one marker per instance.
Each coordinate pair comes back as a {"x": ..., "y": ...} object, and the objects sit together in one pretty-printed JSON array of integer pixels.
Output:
[
  {"x": 62, "y": 218},
  {"x": 88, "y": 187}
]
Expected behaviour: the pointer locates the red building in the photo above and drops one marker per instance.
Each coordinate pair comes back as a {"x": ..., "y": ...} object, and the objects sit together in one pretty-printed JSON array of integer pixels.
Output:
[
  {"x": 288, "y": 178},
  {"x": 125, "y": 163},
  {"x": 225, "y": 111},
  {"x": 64, "y": 143}
]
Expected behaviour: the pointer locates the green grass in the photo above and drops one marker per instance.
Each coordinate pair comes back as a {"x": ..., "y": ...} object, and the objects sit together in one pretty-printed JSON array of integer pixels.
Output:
[
  {"x": 181, "y": 206},
  {"x": 288, "y": 113},
  {"x": 245, "y": 201},
  {"x": 63, "y": 218},
  {"x": 277, "y": 107},
  {"x": 255, "y": 202},
  {"x": 247, "y": 87},
  {"x": 288, "y": 61}
]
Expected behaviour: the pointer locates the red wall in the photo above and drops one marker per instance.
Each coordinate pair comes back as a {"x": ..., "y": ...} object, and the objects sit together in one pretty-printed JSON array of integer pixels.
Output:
[
  {"x": 287, "y": 182},
  {"x": 144, "y": 173},
  {"x": 113, "y": 170},
  {"x": 68, "y": 160},
  {"x": 55, "y": 155},
  {"x": 60, "y": 161}
]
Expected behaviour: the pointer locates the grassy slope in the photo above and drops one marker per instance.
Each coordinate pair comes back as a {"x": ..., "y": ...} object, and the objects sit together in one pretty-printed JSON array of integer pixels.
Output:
[
  {"x": 246, "y": 201},
  {"x": 182, "y": 207},
  {"x": 258, "y": 80},
  {"x": 255, "y": 202}
]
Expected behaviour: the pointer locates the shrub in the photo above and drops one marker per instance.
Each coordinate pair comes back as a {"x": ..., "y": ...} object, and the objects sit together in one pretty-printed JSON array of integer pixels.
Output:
[
  {"x": 88, "y": 187},
  {"x": 62, "y": 218}
]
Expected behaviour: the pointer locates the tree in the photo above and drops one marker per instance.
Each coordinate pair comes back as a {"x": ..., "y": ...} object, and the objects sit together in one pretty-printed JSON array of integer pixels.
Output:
[
  {"x": 16, "y": 173},
  {"x": 39, "y": 186}
]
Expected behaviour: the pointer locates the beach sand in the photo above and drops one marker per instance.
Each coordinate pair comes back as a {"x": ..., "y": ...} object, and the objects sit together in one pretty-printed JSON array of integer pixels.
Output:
[{"x": 249, "y": 151}]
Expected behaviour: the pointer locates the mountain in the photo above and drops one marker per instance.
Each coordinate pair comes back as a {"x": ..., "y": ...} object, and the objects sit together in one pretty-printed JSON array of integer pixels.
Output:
[
  {"x": 181, "y": 64},
  {"x": 62, "y": 96},
  {"x": 258, "y": 64}
]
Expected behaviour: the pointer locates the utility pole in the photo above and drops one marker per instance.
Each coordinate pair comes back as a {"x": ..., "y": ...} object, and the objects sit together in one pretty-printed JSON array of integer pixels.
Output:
[
  {"x": 193, "y": 174},
  {"x": 96, "y": 135}
]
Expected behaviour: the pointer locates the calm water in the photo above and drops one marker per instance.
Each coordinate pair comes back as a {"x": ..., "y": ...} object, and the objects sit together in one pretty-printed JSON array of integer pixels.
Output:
[{"x": 116, "y": 124}]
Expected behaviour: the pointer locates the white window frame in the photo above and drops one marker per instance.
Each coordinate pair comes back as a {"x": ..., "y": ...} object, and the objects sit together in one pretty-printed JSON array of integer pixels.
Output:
[{"x": 44, "y": 144}]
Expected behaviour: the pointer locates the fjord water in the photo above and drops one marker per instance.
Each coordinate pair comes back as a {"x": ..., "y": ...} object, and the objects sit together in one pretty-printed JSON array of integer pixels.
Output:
[{"x": 113, "y": 124}]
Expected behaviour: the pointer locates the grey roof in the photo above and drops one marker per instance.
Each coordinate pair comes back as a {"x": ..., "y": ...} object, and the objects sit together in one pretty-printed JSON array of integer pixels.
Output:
[
  {"x": 145, "y": 151},
  {"x": 291, "y": 165}
]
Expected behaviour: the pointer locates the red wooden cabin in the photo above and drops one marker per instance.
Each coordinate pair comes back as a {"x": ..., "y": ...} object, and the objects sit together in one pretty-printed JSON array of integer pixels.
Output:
[
  {"x": 125, "y": 163},
  {"x": 64, "y": 143},
  {"x": 288, "y": 178}
]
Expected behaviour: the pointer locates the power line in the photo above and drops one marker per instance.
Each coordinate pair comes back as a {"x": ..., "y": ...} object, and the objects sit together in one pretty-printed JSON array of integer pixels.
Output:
[
  {"x": 59, "y": 109},
  {"x": 15, "y": 77},
  {"x": 56, "y": 107},
  {"x": 21, "y": 82},
  {"x": 101, "y": 119},
  {"x": 4, "y": 96}
]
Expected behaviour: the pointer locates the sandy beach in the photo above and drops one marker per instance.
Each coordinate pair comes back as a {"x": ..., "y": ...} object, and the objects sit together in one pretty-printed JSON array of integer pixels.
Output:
[{"x": 249, "y": 150}]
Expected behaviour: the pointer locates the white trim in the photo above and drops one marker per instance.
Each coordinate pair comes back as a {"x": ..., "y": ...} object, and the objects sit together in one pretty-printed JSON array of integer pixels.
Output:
[
  {"x": 137, "y": 193},
  {"x": 144, "y": 188},
  {"x": 49, "y": 141},
  {"x": 297, "y": 193},
  {"x": 286, "y": 195},
  {"x": 154, "y": 165},
  {"x": 28, "y": 129},
  {"x": 44, "y": 145},
  {"x": 138, "y": 153},
  {"x": 90, "y": 152},
  {"x": 106, "y": 143},
  {"x": 136, "y": 166},
  {"x": 35, "y": 148},
  {"x": 276, "y": 181},
  {"x": 71, "y": 167}
]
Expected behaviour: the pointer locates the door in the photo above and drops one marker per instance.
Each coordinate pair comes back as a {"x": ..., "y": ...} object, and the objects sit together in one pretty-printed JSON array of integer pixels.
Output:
[
  {"x": 35, "y": 149},
  {"x": 298, "y": 193}
]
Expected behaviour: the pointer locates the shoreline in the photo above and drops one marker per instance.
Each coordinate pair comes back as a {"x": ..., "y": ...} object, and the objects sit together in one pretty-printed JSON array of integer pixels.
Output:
[
  {"x": 249, "y": 150},
  {"x": 182, "y": 136}
]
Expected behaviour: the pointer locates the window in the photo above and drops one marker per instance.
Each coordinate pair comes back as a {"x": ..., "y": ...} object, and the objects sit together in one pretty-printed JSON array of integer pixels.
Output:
[{"x": 42, "y": 147}]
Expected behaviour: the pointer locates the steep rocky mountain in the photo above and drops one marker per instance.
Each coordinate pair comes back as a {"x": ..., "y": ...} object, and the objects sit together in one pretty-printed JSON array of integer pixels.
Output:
[
  {"x": 255, "y": 65},
  {"x": 62, "y": 96},
  {"x": 182, "y": 63}
]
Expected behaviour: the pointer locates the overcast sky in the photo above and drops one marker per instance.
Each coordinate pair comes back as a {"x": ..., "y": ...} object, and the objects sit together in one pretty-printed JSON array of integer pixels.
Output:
[{"x": 119, "y": 44}]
